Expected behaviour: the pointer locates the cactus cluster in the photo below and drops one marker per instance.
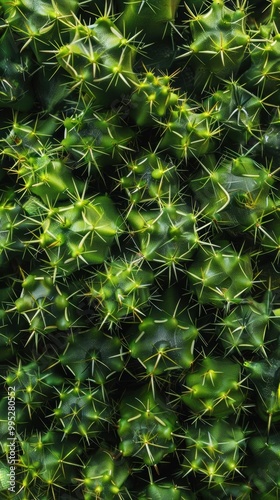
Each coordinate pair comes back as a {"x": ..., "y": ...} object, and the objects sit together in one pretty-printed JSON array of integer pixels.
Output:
[{"x": 139, "y": 250}]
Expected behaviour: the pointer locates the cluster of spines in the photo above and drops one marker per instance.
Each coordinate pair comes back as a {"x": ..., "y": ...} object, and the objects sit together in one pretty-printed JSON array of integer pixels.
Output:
[{"x": 89, "y": 268}]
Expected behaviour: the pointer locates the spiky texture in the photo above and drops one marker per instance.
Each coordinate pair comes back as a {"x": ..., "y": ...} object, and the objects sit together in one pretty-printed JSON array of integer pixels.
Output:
[{"x": 139, "y": 250}]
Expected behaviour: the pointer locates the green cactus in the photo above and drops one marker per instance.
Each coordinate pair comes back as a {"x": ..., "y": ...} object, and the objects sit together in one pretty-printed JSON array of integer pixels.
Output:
[
  {"x": 264, "y": 63},
  {"x": 265, "y": 377},
  {"x": 149, "y": 179},
  {"x": 98, "y": 58},
  {"x": 94, "y": 357},
  {"x": 167, "y": 236},
  {"x": 30, "y": 390},
  {"x": 215, "y": 387},
  {"x": 165, "y": 339},
  {"x": 252, "y": 326},
  {"x": 15, "y": 76},
  {"x": 81, "y": 411},
  {"x": 219, "y": 43},
  {"x": 221, "y": 276},
  {"x": 215, "y": 454},
  {"x": 190, "y": 132},
  {"x": 73, "y": 235},
  {"x": 148, "y": 15},
  {"x": 103, "y": 476},
  {"x": 94, "y": 140},
  {"x": 145, "y": 427},
  {"x": 237, "y": 193},
  {"x": 154, "y": 96},
  {"x": 165, "y": 491},
  {"x": 121, "y": 290},
  {"x": 139, "y": 249},
  {"x": 263, "y": 473},
  {"x": 45, "y": 463}
]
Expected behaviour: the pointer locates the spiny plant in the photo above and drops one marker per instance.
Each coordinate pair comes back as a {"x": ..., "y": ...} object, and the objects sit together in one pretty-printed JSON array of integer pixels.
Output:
[
  {"x": 190, "y": 131},
  {"x": 145, "y": 427},
  {"x": 215, "y": 387},
  {"x": 219, "y": 42},
  {"x": 221, "y": 264},
  {"x": 139, "y": 249},
  {"x": 149, "y": 179},
  {"x": 82, "y": 411},
  {"x": 154, "y": 96},
  {"x": 103, "y": 476},
  {"x": 164, "y": 341},
  {"x": 93, "y": 139},
  {"x": 265, "y": 377},
  {"x": 167, "y": 236},
  {"x": 30, "y": 389},
  {"x": 72, "y": 235},
  {"x": 121, "y": 290},
  {"x": 239, "y": 110},
  {"x": 264, "y": 69},
  {"x": 15, "y": 90},
  {"x": 98, "y": 57},
  {"x": 45, "y": 463},
  {"x": 264, "y": 478},
  {"x": 98, "y": 356},
  {"x": 238, "y": 191},
  {"x": 215, "y": 453},
  {"x": 251, "y": 326},
  {"x": 149, "y": 16}
]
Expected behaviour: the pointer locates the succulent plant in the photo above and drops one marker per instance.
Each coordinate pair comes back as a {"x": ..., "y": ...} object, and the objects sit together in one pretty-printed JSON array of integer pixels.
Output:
[
  {"x": 145, "y": 427},
  {"x": 215, "y": 453},
  {"x": 139, "y": 250}
]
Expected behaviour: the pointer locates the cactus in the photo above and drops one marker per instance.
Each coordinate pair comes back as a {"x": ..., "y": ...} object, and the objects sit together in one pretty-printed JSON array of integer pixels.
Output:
[
  {"x": 145, "y": 427},
  {"x": 237, "y": 192},
  {"x": 215, "y": 388},
  {"x": 164, "y": 341},
  {"x": 263, "y": 473},
  {"x": 104, "y": 476},
  {"x": 139, "y": 249},
  {"x": 215, "y": 453},
  {"x": 148, "y": 15},
  {"x": 154, "y": 97},
  {"x": 219, "y": 43},
  {"x": 190, "y": 132},
  {"x": 220, "y": 275},
  {"x": 251, "y": 326},
  {"x": 121, "y": 289},
  {"x": 265, "y": 376}
]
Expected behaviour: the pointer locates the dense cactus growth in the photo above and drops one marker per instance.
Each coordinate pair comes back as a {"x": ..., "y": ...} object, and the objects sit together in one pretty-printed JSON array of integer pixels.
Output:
[{"x": 139, "y": 250}]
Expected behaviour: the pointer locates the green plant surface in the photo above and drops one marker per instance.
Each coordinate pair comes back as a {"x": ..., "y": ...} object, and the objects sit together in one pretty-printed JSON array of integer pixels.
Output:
[{"x": 139, "y": 249}]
